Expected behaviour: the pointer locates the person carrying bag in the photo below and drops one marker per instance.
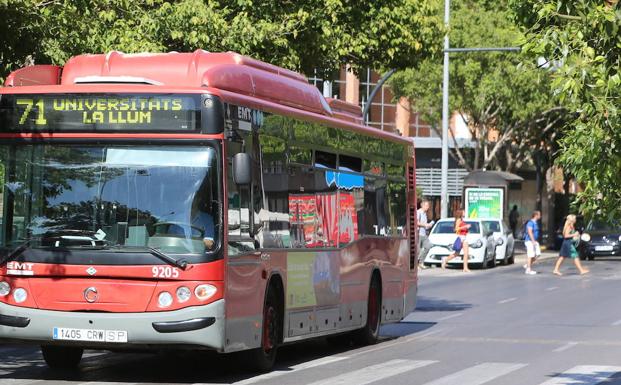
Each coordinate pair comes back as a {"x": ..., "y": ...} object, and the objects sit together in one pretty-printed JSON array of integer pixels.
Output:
[{"x": 461, "y": 229}]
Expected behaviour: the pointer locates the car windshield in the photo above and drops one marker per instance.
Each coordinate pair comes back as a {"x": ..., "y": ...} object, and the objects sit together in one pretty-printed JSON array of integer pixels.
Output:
[
  {"x": 597, "y": 225},
  {"x": 493, "y": 226},
  {"x": 79, "y": 195},
  {"x": 448, "y": 227}
]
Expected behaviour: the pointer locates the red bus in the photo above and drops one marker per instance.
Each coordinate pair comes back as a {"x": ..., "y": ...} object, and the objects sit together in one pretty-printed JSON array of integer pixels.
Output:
[{"x": 196, "y": 200}]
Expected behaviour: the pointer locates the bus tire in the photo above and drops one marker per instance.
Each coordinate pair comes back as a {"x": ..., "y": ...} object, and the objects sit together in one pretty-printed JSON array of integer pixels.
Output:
[
  {"x": 62, "y": 357},
  {"x": 369, "y": 334},
  {"x": 263, "y": 358}
]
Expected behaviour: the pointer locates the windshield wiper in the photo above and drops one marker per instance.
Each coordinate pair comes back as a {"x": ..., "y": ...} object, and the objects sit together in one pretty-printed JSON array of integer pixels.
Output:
[{"x": 180, "y": 263}]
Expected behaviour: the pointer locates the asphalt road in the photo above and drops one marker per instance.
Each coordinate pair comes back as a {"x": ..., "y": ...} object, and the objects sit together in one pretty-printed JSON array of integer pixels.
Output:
[{"x": 495, "y": 326}]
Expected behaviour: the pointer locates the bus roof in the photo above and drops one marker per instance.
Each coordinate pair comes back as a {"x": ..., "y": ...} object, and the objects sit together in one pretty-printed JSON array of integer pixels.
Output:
[{"x": 230, "y": 72}]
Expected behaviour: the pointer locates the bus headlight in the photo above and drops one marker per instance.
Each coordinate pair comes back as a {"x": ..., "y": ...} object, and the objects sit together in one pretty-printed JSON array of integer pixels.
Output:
[
  {"x": 5, "y": 289},
  {"x": 20, "y": 295},
  {"x": 203, "y": 292},
  {"x": 165, "y": 299},
  {"x": 585, "y": 237},
  {"x": 478, "y": 243},
  {"x": 499, "y": 242},
  {"x": 183, "y": 294}
]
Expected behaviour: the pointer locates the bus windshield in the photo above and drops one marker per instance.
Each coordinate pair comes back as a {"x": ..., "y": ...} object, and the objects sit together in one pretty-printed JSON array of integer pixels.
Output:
[{"x": 159, "y": 197}]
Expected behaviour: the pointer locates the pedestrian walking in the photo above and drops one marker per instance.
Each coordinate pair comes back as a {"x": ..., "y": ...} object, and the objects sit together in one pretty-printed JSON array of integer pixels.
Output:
[
  {"x": 514, "y": 219},
  {"x": 568, "y": 248},
  {"x": 531, "y": 242},
  {"x": 461, "y": 229},
  {"x": 423, "y": 227}
]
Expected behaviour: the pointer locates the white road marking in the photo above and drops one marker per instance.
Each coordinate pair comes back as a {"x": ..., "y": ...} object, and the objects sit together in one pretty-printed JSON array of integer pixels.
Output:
[
  {"x": 552, "y": 288},
  {"x": 374, "y": 373},
  {"x": 277, "y": 373},
  {"x": 479, "y": 374},
  {"x": 616, "y": 323},
  {"x": 450, "y": 316},
  {"x": 508, "y": 300},
  {"x": 400, "y": 341},
  {"x": 106, "y": 383},
  {"x": 565, "y": 347},
  {"x": 584, "y": 375}
]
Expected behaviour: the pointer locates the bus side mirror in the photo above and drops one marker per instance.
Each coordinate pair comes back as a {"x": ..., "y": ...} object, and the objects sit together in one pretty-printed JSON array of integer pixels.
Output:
[{"x": 242, "y": 169}]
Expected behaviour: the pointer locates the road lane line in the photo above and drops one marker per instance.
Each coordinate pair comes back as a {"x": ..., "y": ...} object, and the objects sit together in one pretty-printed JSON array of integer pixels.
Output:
[
  {"x": 281, "y": 372},
  {"x": 584, "y": 375},
  {"x": 524, "y": 341},
  {"x": 450, "y": 316},
  {"x": 374, "y": 373},
  {"x": 107, "y": 383},
  {"x": 565, "y": 347},
  {"x": 478, "y": 374},
  {"x": 552, "y": 288},
  {"x": 616, "y": 323},
  {"x": 507, "y": 300}
]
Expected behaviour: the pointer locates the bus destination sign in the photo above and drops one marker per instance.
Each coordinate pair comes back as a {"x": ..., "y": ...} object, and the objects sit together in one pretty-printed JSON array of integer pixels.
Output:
[{"x": 99, "y": 112}]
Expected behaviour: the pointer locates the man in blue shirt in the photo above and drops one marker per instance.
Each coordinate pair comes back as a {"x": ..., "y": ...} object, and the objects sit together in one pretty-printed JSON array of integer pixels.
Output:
[{"x": 531, "y": 236}]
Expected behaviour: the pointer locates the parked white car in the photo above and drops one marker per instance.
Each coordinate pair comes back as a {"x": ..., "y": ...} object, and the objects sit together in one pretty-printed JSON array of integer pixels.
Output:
[
  {"x": 503, "y": 238},
  {"x": 442, "y": 237}
]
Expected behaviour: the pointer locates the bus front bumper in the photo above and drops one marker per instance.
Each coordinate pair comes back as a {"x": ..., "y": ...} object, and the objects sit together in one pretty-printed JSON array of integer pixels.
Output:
[{"x": 193, "y": 327}]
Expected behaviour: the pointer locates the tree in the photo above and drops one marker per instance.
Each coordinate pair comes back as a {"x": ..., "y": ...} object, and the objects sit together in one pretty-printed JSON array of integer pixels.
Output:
[
  {"x": 297, "y": 34},
  {"x": 582, "y": 41},
  {"x": 506, "y": 105}
]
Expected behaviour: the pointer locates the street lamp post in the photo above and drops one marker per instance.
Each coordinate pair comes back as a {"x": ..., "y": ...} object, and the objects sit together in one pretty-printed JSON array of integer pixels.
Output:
[{"x": 445, "y": 116}]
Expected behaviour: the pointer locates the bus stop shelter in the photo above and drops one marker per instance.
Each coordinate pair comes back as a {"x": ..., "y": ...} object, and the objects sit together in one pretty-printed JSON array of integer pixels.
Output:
[{"x": 486, "y": 193}]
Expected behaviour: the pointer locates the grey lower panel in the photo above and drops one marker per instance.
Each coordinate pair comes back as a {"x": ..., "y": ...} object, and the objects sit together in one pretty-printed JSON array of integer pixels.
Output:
[
  {"x": 311, "y": 323},
  {"x": 139, "y": 326},
  {"x": 243, "y": 333}
]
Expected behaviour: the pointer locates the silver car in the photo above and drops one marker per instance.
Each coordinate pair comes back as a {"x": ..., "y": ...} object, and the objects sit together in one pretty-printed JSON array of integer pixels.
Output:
[{"x": 503, "y": 238}]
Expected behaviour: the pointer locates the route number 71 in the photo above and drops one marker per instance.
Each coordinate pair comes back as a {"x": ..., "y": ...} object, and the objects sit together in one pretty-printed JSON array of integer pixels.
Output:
[{"x": 29, "y": 103}]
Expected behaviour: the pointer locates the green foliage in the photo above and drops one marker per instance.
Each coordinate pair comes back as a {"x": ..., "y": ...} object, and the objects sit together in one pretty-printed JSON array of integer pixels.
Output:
[
  {"x": 581, "y": 38},
  {"x": 300, "y": 34},
  {"x": 492, "y": 90}
]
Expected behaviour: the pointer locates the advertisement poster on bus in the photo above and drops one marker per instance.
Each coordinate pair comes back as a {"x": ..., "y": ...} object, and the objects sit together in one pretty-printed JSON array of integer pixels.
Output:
[
  {"x": 484, "y": 202},
  {"x": 324, "y": 220},
  {"x": 312, "y": 279}
]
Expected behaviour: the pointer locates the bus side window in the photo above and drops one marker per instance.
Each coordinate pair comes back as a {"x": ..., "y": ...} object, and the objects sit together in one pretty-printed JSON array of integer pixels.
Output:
[
  {"x": 274, "y": 213},
  {"x": 396, "y": 207},
  {"x": 375, "y": 206}
]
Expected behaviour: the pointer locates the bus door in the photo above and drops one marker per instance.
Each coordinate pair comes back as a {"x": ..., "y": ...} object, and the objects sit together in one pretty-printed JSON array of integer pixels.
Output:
[{"x": 245, "y": 283}]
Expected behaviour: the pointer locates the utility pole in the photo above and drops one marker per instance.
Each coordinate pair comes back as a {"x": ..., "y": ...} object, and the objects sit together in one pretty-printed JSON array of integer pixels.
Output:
[
  {"x": 445, "y": 116},
  {"x": 444, "y": 199}
]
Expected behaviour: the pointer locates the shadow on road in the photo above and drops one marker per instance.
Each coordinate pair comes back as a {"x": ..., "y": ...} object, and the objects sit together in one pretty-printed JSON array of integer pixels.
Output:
[
  {"x": 26, "y": 363},
  {"x": 405, "y": 328},
  {"x": 426, "y": 304},
  {"x": 581, "y": 378}
]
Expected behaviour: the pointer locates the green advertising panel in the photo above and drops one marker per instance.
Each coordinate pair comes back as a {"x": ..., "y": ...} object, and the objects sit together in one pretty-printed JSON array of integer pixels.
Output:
[
  {"x": 300, "y": 290},
  {"x": 484, "y": 202}
]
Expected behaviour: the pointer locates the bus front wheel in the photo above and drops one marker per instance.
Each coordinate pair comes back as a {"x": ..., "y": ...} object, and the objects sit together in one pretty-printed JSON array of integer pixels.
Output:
[
  {"x": 369, "y": 334},
  {"x": 62, "y": 357},
  {"x": 263, "y": 358}
]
